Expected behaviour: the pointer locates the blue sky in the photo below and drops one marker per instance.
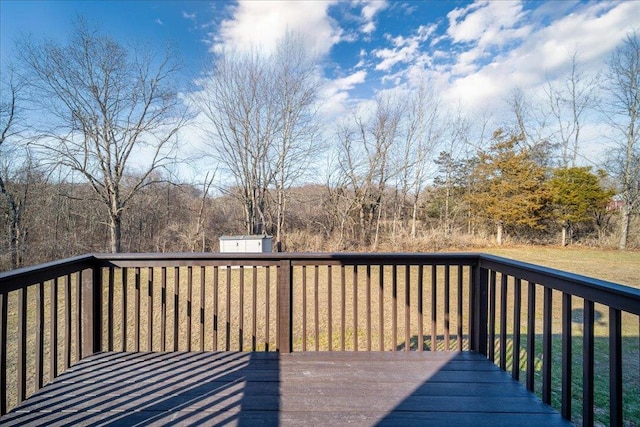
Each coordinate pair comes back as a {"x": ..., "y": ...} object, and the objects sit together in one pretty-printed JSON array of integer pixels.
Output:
[{"x": 473, "y": 53}]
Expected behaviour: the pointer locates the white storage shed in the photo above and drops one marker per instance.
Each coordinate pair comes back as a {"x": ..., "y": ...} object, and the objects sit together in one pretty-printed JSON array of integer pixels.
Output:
[{"x": 246, "y": 244}]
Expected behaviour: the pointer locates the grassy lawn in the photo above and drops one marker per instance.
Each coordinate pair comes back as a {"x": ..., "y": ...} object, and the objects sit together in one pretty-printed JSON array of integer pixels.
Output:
[{"x": 614, "y": 266}]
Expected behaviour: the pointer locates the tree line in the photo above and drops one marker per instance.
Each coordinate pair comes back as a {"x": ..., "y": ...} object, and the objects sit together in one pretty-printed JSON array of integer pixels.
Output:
[{"x": 398, "y": 172}]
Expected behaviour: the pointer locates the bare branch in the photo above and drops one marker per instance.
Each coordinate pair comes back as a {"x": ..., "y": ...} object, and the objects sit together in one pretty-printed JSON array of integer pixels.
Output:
[{"x": 107, "y": 105}]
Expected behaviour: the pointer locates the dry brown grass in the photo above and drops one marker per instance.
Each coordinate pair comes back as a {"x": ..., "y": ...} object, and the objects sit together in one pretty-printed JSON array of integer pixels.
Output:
[{"x": 615, "y": 266}]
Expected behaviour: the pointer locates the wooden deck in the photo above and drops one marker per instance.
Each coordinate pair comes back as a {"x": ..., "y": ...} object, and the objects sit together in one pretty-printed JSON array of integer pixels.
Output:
[{"x": 325, "y": 388}]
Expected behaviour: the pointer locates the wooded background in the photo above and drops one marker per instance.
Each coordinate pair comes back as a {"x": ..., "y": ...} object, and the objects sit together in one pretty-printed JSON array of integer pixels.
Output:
[{"x": 399, "y": 173}]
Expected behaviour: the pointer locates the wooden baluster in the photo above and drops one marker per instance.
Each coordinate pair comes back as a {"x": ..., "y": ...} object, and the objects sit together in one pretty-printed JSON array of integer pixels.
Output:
[
  {"x": 110, "y": 302},
  {"x": 447, "y": 307},
  {"x": 304, "y": 308},
  {"x": 566, "y": 356},
  {"x": 420, "y": 298},
  {"x": 546, "y": 346},
  {"x": 136, "y": 313},
  {"x": 227, "y": 328},
  {"x": 4, "y": 314},
  {"x": 39, "y": 374},
  {"x": 189, "y": 305},
  {"x": 241, "y": 310},
  {"x": 202, "y": 305},
  {"x": 215, "y": 308},
  {"x": 163, "y": 309},
  {"x": 67, "y": 322},
  {"x": 394, "y": 307},
  {"x": 615, "y": 368},
  {"x": 407, "y": 308},
  {"x": 517, "y": 307},
  {"x": 176, "y": 307},
  {"x": 267, "y": 323},
  {"x": 329, "y": 308},
  {"x": 53, "y": 330},
  {"x": 22, "y": 345},
  {"x": 343, "y": 308},
  {"x": 588, "y": 364},
  {"x": 316, "y": 303},
  {"x": 368, "y": 296},
  {"x": 503, "y": 321},
  {"x": 459, "y": 325},
  {"x": 355, "y": 307},
  {"x": 150, "y": 309},
  {"x": 492, "y": 316},
  {"x": 434, "y": 307},
  {"x": 531, "y": 336},
  {"x": 254, "y": 307},
  {"x": 381, "y": 307},
  {"x": 125, "y": 290}
]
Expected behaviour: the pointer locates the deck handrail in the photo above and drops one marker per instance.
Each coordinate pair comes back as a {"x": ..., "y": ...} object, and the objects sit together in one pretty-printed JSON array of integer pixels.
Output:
[{"x": 408, "y": 301}]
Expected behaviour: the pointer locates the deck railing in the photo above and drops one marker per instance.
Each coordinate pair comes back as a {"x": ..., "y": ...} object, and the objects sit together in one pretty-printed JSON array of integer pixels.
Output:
[{"x": 546, "y": 327}]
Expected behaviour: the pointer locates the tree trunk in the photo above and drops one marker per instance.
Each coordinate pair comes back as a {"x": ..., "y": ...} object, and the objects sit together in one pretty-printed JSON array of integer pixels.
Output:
[
  {"x": 499, "y": 233},
  {"x": 414, "y": 217},
  {"x": 116, "y": 233},
  {"x": 564, "y": 235},
  {"x": 447, "y": 222},
  {"x": 15, "y": 241},
  {"x": 624, "y": 232},
  {"x": 363, "y": 227}
]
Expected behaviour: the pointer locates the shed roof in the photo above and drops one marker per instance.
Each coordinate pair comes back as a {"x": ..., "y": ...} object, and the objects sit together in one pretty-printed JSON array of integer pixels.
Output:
[{"x": 246, "y": 237}]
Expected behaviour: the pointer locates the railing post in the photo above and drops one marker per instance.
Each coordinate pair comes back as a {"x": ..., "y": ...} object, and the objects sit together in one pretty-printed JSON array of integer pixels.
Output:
[
  {"x": 4, "y": 313},
  {"x": 91, "y": 311},
  {"x": 285, "y": 305},
  {"x": 479, "y": 309}
]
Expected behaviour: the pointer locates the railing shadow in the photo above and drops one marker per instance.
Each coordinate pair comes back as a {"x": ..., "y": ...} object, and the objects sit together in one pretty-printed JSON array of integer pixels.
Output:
[
  {"x": 160, "y": 389},
  {"x": 631, "y": 368},
  {"x": 440, "y": 343},
  {"x": 468, "y": 390}
]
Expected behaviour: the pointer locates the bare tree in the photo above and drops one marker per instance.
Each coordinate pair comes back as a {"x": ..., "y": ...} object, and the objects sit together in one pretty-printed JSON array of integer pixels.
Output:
[
  {"x": 531, "y": 124},
  {"x": 234, "y": 105},
  {"x": 297, "y": 142},
  {"x": 451, "y": 167},
  {"x": 259, "y": 112},
  {"x": 197, "y": 234},
  {"x": 569, "y": 101},
  {"x": 108, "y": 109},
  {"x": 365, "y": 166},
  {"x": 421, "y": 132},
  {"x": 15, "y": 169},
  {"x": 623, "y": 84}
]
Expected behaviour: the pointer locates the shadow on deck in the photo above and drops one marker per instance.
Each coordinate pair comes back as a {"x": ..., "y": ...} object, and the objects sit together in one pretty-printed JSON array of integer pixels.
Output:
[{"x": 325, "y": 388}]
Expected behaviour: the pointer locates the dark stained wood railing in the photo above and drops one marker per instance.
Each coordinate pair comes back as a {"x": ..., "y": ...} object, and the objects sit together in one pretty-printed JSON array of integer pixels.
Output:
[
  {"x": 617, "y": 301},
  {"x": 522, "y": 317}
]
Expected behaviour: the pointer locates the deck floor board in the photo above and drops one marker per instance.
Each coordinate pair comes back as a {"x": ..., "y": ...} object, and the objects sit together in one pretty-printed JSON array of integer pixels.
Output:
[{"x": 324, "y": 388}]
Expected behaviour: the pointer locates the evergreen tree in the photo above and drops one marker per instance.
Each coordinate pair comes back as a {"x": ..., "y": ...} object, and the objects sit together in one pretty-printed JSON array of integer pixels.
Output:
[{"x": 510, "y": 186}]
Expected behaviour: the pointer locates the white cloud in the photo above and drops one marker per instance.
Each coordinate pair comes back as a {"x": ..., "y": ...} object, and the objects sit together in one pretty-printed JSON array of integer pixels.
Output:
[
  {"x": 159, "y": 21},
  {"x": 263, "y": 23},
  {"x": 486, "y": 27},
  {"x": 369, "y": 11},
  {"x": 335, "y": 94},
  {"x": 404, "y": 50},
  {"x": 485, "y": 22},
  {"x": 190, "y": 16},
  {"x": 369, "y": 27},
  {"x": 594, "y": 30}
]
